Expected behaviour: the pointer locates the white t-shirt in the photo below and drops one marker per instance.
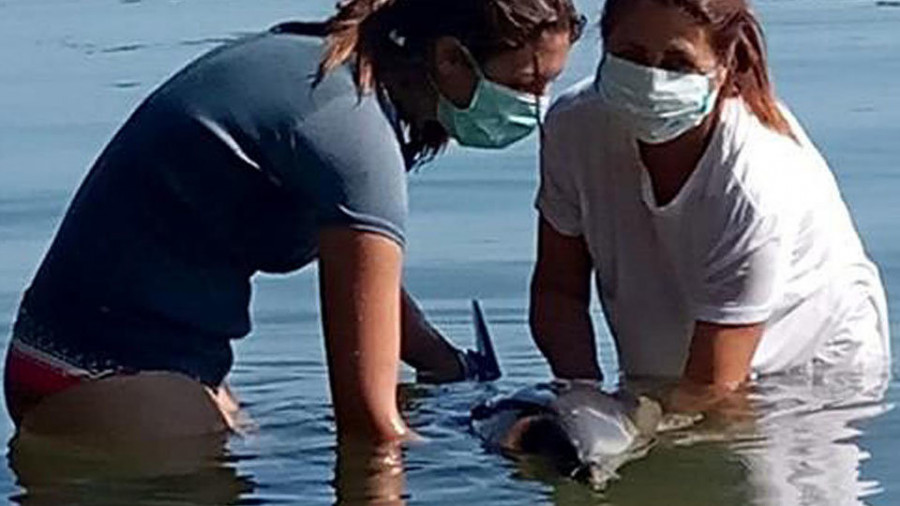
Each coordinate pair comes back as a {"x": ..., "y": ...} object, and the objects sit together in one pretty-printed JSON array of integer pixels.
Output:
[{"x": 758, "y": 233}]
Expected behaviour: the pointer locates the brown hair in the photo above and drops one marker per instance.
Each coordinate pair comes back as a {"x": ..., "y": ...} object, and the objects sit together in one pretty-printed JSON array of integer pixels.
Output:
[
  {"x": 737, "y": 39},
  {"x": 376, "y": 34}
]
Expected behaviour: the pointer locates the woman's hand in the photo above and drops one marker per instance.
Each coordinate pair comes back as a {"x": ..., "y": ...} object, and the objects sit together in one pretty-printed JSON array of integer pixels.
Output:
[
  {"x": 359, "y": 277},
  {"x": 560, "y": 300},
  {"x": 717, "y": 369},
  {"x": 724, "y": 411}
]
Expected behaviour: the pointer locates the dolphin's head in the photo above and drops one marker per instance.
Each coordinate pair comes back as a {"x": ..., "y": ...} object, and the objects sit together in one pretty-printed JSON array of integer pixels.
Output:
[
  {"x": 584, "y": 431},
  {"x": 526, "y": 423}
]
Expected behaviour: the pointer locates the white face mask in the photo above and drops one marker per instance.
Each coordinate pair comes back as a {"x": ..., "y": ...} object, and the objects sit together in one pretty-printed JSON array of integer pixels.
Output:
[{"x": 659, "y": 104}]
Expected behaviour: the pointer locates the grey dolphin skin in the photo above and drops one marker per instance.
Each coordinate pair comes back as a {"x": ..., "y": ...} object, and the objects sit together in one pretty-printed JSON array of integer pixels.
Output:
[{"x": 585, "y": 432}]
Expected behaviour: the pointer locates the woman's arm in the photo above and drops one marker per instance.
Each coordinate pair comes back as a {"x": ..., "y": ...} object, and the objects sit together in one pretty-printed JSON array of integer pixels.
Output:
[
  {"x": 718, "y": 364},
  {"x": 424, "y": 348},
  {"x": 560, "y": 301},
  {"x": 720, "y": 355},
  {"x": 359, "y": 276}
]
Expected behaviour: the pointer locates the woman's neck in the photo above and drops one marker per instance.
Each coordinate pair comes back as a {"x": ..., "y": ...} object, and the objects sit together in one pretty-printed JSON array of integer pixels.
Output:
[{"x": 670, "y": 164}]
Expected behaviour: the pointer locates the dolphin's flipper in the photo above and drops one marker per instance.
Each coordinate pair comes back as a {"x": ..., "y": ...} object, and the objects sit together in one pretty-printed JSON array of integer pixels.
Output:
[
  {"x": 485, "y": 358},
  {"x": 646, "y": 415},
  {"x": 672, "y": 422}
]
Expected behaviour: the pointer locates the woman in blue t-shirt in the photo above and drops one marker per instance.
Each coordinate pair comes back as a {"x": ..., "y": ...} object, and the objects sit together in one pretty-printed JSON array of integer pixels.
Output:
[{"x": 262, "y": 156}]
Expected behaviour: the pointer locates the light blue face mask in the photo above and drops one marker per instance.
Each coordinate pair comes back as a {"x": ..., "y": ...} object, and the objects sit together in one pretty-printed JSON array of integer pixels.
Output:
[
  {"x": 496, "y": 117},
  {"x": 659, "y": 104}
]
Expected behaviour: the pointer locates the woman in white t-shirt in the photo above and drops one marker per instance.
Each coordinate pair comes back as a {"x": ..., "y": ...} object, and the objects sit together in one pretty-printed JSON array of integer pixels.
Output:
[{"x": 719, "y": 240}]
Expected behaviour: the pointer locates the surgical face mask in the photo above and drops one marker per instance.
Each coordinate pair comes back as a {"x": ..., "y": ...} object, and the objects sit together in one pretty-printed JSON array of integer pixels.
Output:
[
  {"x": 659, "y": 104},
  {"x": 496, "y": 117}
]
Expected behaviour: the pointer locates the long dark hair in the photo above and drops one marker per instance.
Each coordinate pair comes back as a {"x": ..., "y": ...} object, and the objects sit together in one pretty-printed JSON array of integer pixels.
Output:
[
  {"x": 737, "y": 39},
  {"x": 373, "y": 35}
]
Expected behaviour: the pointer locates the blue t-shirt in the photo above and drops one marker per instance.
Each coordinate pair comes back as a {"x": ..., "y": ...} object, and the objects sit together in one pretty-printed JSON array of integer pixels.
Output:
[{"x": 229, "y": 168}]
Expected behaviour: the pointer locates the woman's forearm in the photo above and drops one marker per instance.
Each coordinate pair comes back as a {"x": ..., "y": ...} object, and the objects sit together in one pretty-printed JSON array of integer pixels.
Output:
[
  {"x": 562, "y": 329},
  {"x": 423, "y": 347},
  {"x": 560, "y": 300},
  {"x": 721, "y": 355},
  {"x": 360, "y": 291}
]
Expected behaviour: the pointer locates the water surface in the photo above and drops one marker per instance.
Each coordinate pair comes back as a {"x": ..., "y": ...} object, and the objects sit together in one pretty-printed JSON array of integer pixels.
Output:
[{"x": 71, "y": 71}]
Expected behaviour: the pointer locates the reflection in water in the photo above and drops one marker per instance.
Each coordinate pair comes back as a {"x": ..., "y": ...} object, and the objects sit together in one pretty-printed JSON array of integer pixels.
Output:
[
  {"x": 810, "y": 425},
  {"x": 704, "y": 474},
  {"x": 800, "y": 448},
  {"x": 367, "y": 475},
  {"x": 172, "y": 472}
]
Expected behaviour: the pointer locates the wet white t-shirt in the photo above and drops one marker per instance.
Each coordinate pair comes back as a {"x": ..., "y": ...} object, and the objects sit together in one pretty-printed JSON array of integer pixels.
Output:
[{"x": 758, "y": 233}]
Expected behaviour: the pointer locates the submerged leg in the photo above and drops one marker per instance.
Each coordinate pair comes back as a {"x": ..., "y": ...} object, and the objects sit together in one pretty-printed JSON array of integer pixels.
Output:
[
  {"x": 131, "y": 437},
  {"x": 140, "y": 407}
]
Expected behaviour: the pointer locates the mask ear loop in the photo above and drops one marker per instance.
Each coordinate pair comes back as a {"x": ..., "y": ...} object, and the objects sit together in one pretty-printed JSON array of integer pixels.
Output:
[
  {"x": 472, "y": 61},
  {"x": 540, "y": 115},
  {"x": 598, "y": 81},
  {"x": 537, "y": 98},
  {"x": 476, "y": 68}
]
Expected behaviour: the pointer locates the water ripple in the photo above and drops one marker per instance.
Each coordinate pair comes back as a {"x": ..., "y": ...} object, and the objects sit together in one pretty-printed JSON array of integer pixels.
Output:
[{"x": 124, "y": 48}]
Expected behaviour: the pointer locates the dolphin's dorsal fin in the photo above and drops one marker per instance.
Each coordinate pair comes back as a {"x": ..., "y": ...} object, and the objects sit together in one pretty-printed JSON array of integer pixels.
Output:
[{"x": 484, "y": 346}]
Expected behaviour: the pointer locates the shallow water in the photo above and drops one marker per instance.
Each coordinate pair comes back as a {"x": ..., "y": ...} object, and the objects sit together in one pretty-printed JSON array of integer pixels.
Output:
[{"x": 71, "y": 71}]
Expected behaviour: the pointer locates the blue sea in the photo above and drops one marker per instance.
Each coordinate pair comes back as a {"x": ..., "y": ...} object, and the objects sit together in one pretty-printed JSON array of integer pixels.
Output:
[{"x": 71, "y": 71}]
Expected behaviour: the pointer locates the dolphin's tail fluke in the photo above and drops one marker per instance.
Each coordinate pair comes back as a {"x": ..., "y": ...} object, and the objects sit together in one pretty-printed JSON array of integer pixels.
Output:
[{"x": 484, "y": 358}]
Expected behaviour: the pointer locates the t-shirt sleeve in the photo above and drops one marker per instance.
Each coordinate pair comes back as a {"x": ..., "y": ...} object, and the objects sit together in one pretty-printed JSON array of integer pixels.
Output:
[
  {"x": 352, "y": 166},
  {"x": 741, "y": 258},
  {"x": 557, "y": 197},
  {"x": 362, "y": 181}
]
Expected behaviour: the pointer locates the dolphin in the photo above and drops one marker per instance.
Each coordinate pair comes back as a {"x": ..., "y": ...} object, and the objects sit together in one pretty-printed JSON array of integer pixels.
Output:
[{"x": 585, "y": 432}]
